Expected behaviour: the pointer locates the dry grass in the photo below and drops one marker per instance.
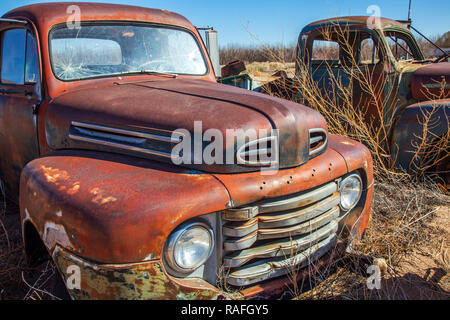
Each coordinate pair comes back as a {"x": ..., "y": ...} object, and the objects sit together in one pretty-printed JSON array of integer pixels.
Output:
[
  {"x": 11, "y": 257},
  {"x": 267, "y": 68},
  {"x": 409, "y": 229},
  {"x": 17, "y": 280}
]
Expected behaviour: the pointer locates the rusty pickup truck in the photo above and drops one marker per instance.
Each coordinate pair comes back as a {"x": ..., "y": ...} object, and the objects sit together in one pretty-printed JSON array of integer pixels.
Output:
[{"x": 94, "y": 100}]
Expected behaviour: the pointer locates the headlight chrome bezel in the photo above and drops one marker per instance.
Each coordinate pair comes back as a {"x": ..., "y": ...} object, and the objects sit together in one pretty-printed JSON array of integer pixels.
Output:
[
  {"x": 341, "y": 185},
  {"x": 169, "y": 252}
]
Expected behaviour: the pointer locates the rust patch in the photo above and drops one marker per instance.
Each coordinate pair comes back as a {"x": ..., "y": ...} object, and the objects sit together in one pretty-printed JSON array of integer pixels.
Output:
[
  {"x": 99, "y": 196},
  {"x": 60, "y": 178},
  {"x": 54, "y": 175},
  {"x": 142, "y": 281},
  {"x": 55, "y": 234}
]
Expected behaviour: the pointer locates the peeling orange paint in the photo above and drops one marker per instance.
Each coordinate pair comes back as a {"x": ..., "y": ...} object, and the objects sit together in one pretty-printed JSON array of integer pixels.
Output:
[
  {"x": 74, "y": 189},
  {"x": 100, "y": 198},
  {"x": 53, "y": 175}
]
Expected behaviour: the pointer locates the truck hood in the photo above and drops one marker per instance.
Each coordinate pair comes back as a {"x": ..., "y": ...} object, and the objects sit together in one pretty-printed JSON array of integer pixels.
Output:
[
  {"x": 139, "y": 118},
  {"x": 431, "y": 81}
]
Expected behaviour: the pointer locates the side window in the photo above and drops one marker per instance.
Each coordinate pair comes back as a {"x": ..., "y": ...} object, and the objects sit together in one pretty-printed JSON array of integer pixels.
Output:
[
  {"x": 20, "y": 64},
  {"x": 325, "y": 51},
  {"x": 399, "y": 47},
  {"x": 13, "y": 56},
  {"x": 32, "y": 60},
  {"x": 368, "y": 53}
]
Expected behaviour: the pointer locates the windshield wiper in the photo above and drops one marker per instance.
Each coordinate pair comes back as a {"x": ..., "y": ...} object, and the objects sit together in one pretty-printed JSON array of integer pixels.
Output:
[{"x": 151, "y": 72}]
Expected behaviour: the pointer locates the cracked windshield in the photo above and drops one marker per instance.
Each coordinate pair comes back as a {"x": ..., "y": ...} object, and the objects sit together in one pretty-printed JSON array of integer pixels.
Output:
[{"x": 105, "y": 50}]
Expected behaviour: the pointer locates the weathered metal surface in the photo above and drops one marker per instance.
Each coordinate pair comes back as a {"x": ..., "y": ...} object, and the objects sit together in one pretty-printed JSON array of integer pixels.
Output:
[
  {"x": 284, "y": 287},
  {"x": 141, "y": 281},
  {"x": 233, "y": 68},
  {"x": 247, "y": 188},
  {"x": 276, "y": 233},
  {"x": 397, "y": 83},
  {"x": 114, "y": 209},
  {"x": 18, "y": 140},
  {"x": 217, "y": 106},
  {"x": 262, "y": 271},
  {"x": 409, "y": 133},
  {"x": 354, "y": 21},
  {"x": 46, "y": 15},
  {"x": 279, "y": 248},
  {"x": 287, "y": 203},
  {"x": 431, "y": 82},
  {"x": 18, "y": 121}
]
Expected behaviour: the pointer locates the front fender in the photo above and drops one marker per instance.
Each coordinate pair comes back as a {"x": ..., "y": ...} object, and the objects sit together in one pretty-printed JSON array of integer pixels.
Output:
[
  {"x": 111, "y": 208},
  {"x": 408, "y": 132}
]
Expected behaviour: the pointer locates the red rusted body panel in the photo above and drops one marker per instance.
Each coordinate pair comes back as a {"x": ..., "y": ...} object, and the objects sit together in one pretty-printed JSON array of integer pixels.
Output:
[
  {"x": 138, "y": 106},
  {"x": 103, "y": 202}
]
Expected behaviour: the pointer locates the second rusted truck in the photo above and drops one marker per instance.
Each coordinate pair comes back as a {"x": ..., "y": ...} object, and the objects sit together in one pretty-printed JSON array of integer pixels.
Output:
[
  {"x": 90, "y": 116},
  {"x": 391, "y": 81}
]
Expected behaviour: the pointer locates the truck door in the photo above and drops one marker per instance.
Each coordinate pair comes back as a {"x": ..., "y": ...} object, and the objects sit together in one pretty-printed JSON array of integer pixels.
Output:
[
  {"x": 368, "y": 89},
  {"x": 19, "y": 96}
]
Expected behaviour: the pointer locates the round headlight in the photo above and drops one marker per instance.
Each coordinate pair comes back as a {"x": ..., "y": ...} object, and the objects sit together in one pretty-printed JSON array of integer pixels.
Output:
[
  {"x": 189, "y": 247},
  {"x": 351, "y": 190}
]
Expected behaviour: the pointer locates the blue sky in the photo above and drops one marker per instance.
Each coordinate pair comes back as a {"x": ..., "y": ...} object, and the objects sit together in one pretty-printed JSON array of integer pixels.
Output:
[{"x": 280, "y": 21}]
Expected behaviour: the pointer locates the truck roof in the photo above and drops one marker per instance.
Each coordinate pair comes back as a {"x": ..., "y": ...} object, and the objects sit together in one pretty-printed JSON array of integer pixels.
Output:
[
  {"x": 45, "y": 15},
  {"x": 354, "y": 21}
]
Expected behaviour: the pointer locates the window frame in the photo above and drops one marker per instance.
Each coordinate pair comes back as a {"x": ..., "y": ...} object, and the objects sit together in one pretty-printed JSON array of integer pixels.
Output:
[
  {"x": 28, "y": 30},
  {"x": 376, "y": 52},
  {"x": 410, "y": 41},
  {"x": 382, "y": 53}
]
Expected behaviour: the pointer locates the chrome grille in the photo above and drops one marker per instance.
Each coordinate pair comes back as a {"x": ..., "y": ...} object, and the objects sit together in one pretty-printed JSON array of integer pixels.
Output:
[{"x": 262, "y": 241}]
